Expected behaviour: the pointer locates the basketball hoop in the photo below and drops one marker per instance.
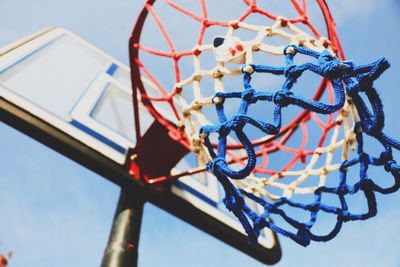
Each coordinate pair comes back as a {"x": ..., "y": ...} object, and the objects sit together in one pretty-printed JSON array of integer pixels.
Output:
[{"x": 218, "y": 97}]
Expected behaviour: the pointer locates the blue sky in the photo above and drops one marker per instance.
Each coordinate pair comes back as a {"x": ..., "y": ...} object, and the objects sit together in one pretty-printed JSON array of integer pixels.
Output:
[{"x": 56, "y": 213}]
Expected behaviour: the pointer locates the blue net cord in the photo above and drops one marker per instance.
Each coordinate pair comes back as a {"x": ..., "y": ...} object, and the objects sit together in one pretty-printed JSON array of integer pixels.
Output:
[{"x": 346, "y": 78}]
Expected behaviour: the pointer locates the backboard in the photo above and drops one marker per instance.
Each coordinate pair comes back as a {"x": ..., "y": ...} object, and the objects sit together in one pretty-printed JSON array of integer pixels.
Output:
[{"x": 69, "y": 95}]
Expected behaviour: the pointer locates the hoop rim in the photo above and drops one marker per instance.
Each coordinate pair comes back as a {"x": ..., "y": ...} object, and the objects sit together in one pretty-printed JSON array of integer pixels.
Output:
[{"x": 137, "y": 84}]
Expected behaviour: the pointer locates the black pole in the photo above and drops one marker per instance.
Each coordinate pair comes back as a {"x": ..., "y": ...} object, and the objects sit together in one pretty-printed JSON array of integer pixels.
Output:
[{"x": 122, "y": 247}]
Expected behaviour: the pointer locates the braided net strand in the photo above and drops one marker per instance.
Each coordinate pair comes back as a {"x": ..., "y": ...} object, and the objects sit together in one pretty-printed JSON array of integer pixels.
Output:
[{"x": 345, "y": 117}]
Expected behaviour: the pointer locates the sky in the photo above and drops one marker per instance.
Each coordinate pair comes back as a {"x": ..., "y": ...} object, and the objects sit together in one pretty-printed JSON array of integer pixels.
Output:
[{"x": 55, "y": 212}]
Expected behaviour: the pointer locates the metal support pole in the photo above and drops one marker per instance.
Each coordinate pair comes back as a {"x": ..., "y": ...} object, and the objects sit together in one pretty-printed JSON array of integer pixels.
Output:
[{"x": 122, "y": 248}]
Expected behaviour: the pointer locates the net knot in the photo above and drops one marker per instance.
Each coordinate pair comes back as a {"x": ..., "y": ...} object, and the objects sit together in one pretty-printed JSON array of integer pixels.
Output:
[
  {"x": 206, "y": 23},
  {"x": 344, "y": 166},
  {"x": 290, "y": 49},
  {"x": 314, "y": 207},
  {"x": 386, "y": 156},
  {"x": 352, "y": 86},
  {"x": 248, "y": 68},
  {"x": 282, "y": 98},
  {"x": 303, "y": 234},
  {"x": 342, "y": 189},
  {"x": 196, "y": 51},
  {"x": 217, "y": 99},
  {"x": 332, "y": 67},
  {"x": 225, "y": 129},
  {"x": 248, "y": 95},
  {"x": 213, "y": 164},
  {"x": 292, "y": 72},
  {"x": 366, "y": 84},
  {"x": 391, "y": 165},
  {"x": 235, "y": 123},
  {"x": 364, "y": 158},
  {"x": 344, "y": 216},
  {"x": 234, "y": 24},
  {"x": 270, "y": 208},
  {"x": 371, "y": 127},
  {"x": 234, "y": 204},
  {"x": 259, "y": 223},
  {"x": 283, "y": 21},
  {"x": 253, "y": 8},
  {"x": 366, "y": 184}
]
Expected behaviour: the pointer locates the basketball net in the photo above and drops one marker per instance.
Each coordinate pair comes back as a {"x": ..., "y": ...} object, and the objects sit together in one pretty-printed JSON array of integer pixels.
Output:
[{"x": 344, "y": 110}]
